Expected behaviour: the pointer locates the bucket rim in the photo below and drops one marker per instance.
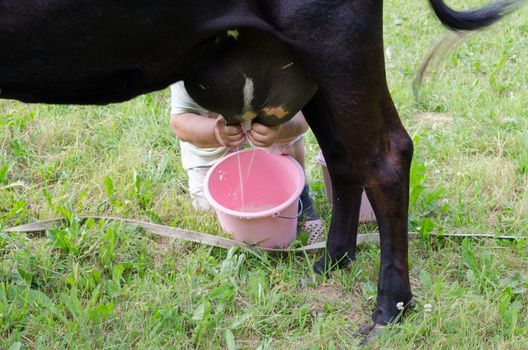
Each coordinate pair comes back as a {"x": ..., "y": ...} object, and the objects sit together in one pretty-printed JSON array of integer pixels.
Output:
[{"x": 275, "y": 211}]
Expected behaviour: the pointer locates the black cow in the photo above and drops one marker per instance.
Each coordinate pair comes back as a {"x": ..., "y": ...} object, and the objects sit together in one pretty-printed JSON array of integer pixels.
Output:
[{"x": 262, "y": 59}]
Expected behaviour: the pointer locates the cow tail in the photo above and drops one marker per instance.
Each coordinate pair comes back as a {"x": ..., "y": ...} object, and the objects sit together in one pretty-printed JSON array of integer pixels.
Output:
[
  {"x": 461, "y": 23},
  {"x": 473, "y": 19}
]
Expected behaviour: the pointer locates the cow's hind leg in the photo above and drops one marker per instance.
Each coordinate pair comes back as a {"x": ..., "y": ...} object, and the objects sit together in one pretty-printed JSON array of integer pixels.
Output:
[
  {"x": 387, "y": 187},
  {"x": 346, "y": 188},
  {"x": 366, "y": 146}
]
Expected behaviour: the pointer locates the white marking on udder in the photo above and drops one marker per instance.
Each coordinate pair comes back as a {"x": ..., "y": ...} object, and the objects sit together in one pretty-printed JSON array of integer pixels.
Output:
[
  {"x": 202, "y": 86},
  {"x": 248, "y": 93},
  {"x": 287, "y": 66}
]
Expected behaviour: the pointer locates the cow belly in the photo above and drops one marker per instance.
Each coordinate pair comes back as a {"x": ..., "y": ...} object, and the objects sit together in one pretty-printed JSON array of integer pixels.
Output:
[{"x": 250, "y": 76}]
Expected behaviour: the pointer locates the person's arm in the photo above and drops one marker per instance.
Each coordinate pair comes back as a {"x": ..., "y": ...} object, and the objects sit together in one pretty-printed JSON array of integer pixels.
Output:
[
  {"x": 293, "y": 128},
  {"x": 264, "y": 136},
  {"x": 206, "y": 132}
]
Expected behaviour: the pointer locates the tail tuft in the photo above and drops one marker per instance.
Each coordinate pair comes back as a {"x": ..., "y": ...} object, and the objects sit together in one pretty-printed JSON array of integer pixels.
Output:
[{"x": 476, "y": 18}]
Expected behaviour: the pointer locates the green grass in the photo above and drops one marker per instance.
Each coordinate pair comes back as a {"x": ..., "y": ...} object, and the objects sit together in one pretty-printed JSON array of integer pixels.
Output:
[{"x": 102, "y": 285}]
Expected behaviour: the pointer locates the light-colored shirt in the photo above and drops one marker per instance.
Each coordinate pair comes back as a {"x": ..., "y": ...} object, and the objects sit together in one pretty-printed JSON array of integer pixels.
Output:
[{"x": 193, "y": 156}]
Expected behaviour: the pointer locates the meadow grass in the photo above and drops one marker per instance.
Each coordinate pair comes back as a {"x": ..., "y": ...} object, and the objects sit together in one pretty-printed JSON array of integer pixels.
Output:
[{"x": 105, "y": 285}]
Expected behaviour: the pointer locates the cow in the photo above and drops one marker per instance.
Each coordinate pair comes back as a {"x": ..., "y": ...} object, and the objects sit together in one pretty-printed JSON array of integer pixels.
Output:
[{"x": 260, "y": 60}]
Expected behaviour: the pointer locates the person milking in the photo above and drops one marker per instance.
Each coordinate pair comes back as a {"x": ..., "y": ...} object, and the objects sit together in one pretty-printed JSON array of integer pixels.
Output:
[
  {"x": 205, "y": 138},
  {"x": 248, "y": 89}
]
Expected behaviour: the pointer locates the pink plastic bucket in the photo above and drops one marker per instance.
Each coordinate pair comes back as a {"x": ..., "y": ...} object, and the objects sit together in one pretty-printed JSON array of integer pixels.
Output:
[
  {"x": 263, "y": 211},
  {"x": 365, "y": 212}
]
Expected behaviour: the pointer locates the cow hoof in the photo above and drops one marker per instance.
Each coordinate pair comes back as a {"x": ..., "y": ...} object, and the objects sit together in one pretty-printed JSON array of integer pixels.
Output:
[
  {"x": 368, "y": 332},
  {"x": 364, "y": 330},
  {"x": 326, "y": 264}
]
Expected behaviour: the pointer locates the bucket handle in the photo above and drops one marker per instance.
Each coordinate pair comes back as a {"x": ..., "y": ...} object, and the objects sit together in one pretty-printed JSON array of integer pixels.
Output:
[{"x": 301, "y": 209}]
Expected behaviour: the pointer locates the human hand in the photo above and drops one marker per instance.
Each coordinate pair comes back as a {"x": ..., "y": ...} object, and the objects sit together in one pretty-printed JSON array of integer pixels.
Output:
[
  {"x": 229, "y": 136},
  {"x": 263, "y": 136}
]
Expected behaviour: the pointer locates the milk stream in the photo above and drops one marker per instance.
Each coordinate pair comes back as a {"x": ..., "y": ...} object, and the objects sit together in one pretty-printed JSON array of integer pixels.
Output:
[
  {"x": 246, "y": 126},
  {"x": 241, "y": 186}
]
